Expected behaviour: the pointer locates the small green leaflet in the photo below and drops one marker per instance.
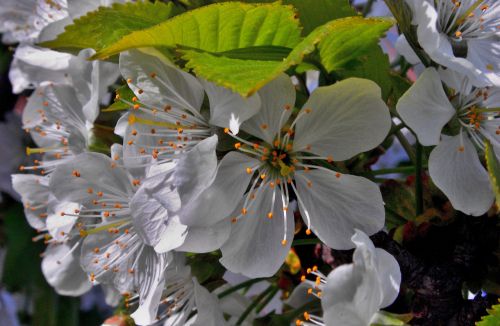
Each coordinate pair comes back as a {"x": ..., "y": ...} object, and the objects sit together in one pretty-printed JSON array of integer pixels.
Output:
[
  {"x": 493, "y": 317},
  {"x": 107, "y": 25},
  {"x": 493, "y": 169},
  {"x": 124, "y": 93},
  {"x": 218, "y": 28}
]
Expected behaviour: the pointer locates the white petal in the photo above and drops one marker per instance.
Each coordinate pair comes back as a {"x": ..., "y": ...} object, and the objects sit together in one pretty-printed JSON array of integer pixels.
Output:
[
  {"x": 425, "y": 108},
  {"x": 275, "y": 110},
  {"x": 111, "y": 296},
  {"x": 229, "y": 109},
  {"x": 220, "y": 199},
  {"x": 60, "y": 225},
  {"x": 122, "y": 125},
  {"x": 33, "y": 66},
  {"x": 152, "y": 209},
  {"x": 389, "y": 275},
  {"x": 62, "y": 270},
  {"x": 485, "y": 55},
  {"x": 208, "y": 307},
  {"x": 338, "y": 205},
  {"x": 404, "y": 48},
  {"x": 340, "y": 286},
  {"x": 96, "y": 172},
  {"x": 254, "y": 247},
  {"x": 196, "y": 169},
  {"x": 151, "y": 282},
  {"x": 206, "y": 238},
  {"x": 34, "y": 191},
  {"x": 347, "y": 118},
  {"x": 299, "y": 296},
  {"x": 460, "y": 175},
  {"x": 171, "y": 86},
  {"x": 382, "y": 263},
  {"x": 59, "y": 103}
]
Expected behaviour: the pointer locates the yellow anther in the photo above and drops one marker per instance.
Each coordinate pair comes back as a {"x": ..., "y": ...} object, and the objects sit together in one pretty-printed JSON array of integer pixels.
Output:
[
  {"x": 237, "y": 145},
  {"x": 283, "y": 242},
  {"x": 244, "y": 211},
  {"x": 308, "y": 231},
  {"x": 249, "y": 170},
  {"x": 270, "y": 215}
]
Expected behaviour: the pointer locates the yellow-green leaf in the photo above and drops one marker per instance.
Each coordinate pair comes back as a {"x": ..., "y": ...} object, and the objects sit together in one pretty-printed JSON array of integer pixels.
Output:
[
  {"x": 493, "y": 317},
  {"x": 493, "y": 169},
  {"x": 107, "y": 25},
  {"x": 218, "y": 28}
]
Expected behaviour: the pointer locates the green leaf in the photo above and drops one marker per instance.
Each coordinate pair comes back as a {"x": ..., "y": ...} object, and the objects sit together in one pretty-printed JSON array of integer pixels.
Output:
[
  {"x": 122, "y": 93},
  {"x": 218, "y": 28},
  {"x": 383, "y": 318},
  {"x": 493, "y": 169},
  {"x": 314, "y": 13},
  {"x": 349, "y": 39},
  {"x": 375, "y": 66},
  {"x": 247, "y": 76},
  {"x": 493, "y": 317},
  {"x": 107, "y": 25}
]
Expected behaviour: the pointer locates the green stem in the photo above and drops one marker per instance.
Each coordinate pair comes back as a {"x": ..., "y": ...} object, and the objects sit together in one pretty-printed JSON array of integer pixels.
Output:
[
  {"x": 402, "y": 169},
  {"x": 419, "y": 204},
  {"x": 488, "y": 110},
  {"x": 406, "y": 146},
  {"x": 305, "y": 242},
  {"x": 395, "y": 128},
  {"x": 293, "y": 314},
  {"x": 240, "y": 286},
  {"x": 102, "y": 127},
  {"x": 254, "y": 304},
  {"x": 267, "y": 299},
  {"x": 368, "y": 7}
]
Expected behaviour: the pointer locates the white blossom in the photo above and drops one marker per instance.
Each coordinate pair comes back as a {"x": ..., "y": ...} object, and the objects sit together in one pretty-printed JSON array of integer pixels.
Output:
[
  {"x": 353, "y": 294},
  {"x": 458, "y": 125},
  {"x": 166, "y": 117},
  {"x": 460, "y": 35},
  {"x": 336, "y": 123}
]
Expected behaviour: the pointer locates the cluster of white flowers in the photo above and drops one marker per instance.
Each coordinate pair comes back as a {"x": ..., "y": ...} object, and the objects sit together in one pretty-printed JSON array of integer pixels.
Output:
[
  {"x": 203, "y": 169},
  {"x": 455, "y": 104}
]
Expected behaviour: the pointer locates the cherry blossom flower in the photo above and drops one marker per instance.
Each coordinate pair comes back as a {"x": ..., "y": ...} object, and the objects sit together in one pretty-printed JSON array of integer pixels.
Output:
[
  {"x": 336, "y": 123},
  {"x": 353, "y": 294},
  {"x": 460, "y": 35},
  {"x": 458, "y": 124},
  {"x": 165, "y": 117}
]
